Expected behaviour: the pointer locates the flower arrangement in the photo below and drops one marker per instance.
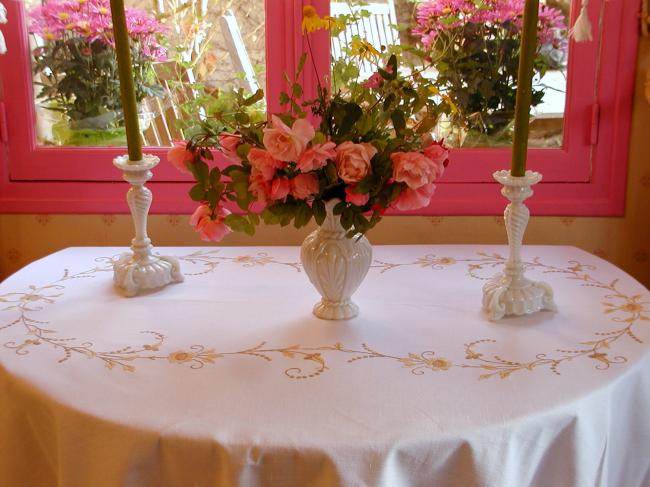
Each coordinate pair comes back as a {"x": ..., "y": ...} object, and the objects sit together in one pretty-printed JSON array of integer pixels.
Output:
[
  {"x": 475, "y": 44},
  {"x": 77, "y": 61},
  {"x": 370, "y": 150}
]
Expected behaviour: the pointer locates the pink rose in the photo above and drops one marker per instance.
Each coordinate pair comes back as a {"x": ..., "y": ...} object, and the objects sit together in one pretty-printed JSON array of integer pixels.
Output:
[
  {"x": 412, "y": 199},
  {"x": 376, "y": 80},
  {"x": 228, "y": 144},
  {"x": 180, "y": 157},
  {"x": 353, "y": 161},
  {"x": 303, "y": 186},
  {"x": 414, "y": 169},
  {"x": 358, "y": 199},
  {"x": 211, "y": 228},
  {"x": 373, "y": 82},
  {"x": 264, "y": 163},
  {"x": 439, "y": 154},
  {"x": 287, "y": 144},
  {"x": 280, "y": 188},
  {"x": 259, "y": 186},
  {"x": 316, "y": 157}
]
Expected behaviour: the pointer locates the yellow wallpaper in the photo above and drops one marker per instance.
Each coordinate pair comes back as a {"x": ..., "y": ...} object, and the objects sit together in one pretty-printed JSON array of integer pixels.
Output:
[{"x": 624, "y": 241}]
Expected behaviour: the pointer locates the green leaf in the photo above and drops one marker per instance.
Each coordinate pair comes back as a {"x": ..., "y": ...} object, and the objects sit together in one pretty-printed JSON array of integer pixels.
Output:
[
  {"x": 197, "y": 193},
  {"x": 212, "y": 197},
  {"x": 301, "y": 64},
  {"x": 399, "y": 122},
  {"x": 239, "y": 224},
  {"x": 366, "y": 184},
  {"x": 269, "y": 217},
  {"x": 215, "y": 177},
  {"x": 242, "y": 118},
  {"x": 303, "y": 215},
  {"x": 365, "y": 125},
  {"x": 243, "y": 150},
  {"x": 331, "y": 172},
  {"x": 284, "y": 98},
  {"x": 448, "y": 19},
  {"x": 286, "y": 218},
  {"x": 360, "y": 223},
  {"x": 254, "y": 98},
  {"x": 392, "y": 62},
  {"x": 296, "y": 108},
  {"x": 394, "y": 192},
  {"x": 318, "y": 208},
  {"x": 296, "y": 89},
  {"x": 200, "y": 171},
  {"x": 347, "y": 217},
  {"x": 384, "y": 74},
  {"x": 353, "y": 113},
  {"x": 339, "y": 207},
  {"x": 388, "y": 102}
]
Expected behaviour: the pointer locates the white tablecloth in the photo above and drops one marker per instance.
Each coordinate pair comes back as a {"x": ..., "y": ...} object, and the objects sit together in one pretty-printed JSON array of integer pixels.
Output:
[{"x": 227, "y": 379}]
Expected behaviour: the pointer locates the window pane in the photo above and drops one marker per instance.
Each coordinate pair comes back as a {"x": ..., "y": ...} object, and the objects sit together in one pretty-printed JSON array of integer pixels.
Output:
[
  {"x": 188, "y": 57},
  {"x": 468, "y": 49}
]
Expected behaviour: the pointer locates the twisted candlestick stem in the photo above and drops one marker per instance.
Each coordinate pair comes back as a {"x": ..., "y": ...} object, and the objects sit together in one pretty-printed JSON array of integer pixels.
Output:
[{"x": 139, "y": 199}]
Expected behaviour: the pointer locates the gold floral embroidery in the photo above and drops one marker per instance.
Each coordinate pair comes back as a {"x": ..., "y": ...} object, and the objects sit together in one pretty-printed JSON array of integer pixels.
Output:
[
  {"x": 426, "y": 360},
  {"x": 198, "y": 356},
  {"x": 210, "y": 259},
  {"x": 626, "y": 311},
  {"x": 179, "y": 357},
  {"x": 429, "y": 260}
]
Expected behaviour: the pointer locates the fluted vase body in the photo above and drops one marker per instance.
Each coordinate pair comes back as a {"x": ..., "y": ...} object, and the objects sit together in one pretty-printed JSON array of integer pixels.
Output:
[{"x": 336, "y": 266}]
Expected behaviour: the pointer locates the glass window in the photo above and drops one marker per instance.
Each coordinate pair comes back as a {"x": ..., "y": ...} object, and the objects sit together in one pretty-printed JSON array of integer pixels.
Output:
[
  {"x": 579, "y": 133},
  {"x": 469, "y": 51},
  {"x": 188, "y": 56}
]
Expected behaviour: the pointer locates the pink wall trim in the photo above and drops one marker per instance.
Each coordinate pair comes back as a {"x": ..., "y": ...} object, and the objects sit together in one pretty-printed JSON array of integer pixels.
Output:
[
  {"x": 579, "y": 179},
  {"x": 171, "y": 198}
]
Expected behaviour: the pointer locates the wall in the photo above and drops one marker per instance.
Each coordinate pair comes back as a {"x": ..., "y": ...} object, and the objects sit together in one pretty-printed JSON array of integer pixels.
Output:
[{"x": 624, "y": 241}]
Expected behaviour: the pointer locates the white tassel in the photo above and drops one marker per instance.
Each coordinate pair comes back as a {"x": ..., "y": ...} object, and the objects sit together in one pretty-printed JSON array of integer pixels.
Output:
[
  {"x": 581, "y": 30},
  {"x": 3, "y": 20}
]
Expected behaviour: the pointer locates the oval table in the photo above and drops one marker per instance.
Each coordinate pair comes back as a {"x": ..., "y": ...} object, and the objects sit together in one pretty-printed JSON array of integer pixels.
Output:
[{"x": 227, "y": 379}]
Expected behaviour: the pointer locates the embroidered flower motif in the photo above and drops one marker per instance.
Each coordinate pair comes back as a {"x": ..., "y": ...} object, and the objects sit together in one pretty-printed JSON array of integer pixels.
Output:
[
  {"x": 180, "y": 357},
  {"x": 438, "y": 364},
  {"x": 426, "y": 360},
  {"x": 631, "y": 305}
]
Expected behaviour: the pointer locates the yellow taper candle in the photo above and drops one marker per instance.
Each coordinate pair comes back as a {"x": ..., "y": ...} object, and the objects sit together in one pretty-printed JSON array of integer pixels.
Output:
[
  {"x": 528, "y": 52},
  {"x": 127, "y": 90}
]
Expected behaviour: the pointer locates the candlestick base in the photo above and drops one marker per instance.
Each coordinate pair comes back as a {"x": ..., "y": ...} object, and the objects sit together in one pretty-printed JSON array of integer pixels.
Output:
[
  {"x": 140, "y": 270},
  {"x": 511, "y": 293},
  {"x": 507, "y": 295}
]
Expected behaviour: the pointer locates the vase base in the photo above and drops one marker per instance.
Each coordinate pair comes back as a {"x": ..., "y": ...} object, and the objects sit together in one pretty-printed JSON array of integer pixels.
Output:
[
  {"x": 501, "y": 297},
  {"x": 331, "y": 310},
  {"x": 131, "y": 277}
]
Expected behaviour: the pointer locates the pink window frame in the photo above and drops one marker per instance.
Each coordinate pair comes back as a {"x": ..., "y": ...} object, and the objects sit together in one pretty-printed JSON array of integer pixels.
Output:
[{"x": 585, "y": 177}]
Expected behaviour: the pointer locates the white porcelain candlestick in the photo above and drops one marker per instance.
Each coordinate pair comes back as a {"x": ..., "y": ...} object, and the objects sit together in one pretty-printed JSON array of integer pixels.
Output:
[
  {"x": 140, "y": 270},
  {"x": 511, "y": 293}
]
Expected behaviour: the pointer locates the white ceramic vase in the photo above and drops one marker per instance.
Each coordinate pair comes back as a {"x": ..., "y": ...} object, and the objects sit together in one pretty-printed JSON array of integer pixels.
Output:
[{"x": 336, "y": 266}]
